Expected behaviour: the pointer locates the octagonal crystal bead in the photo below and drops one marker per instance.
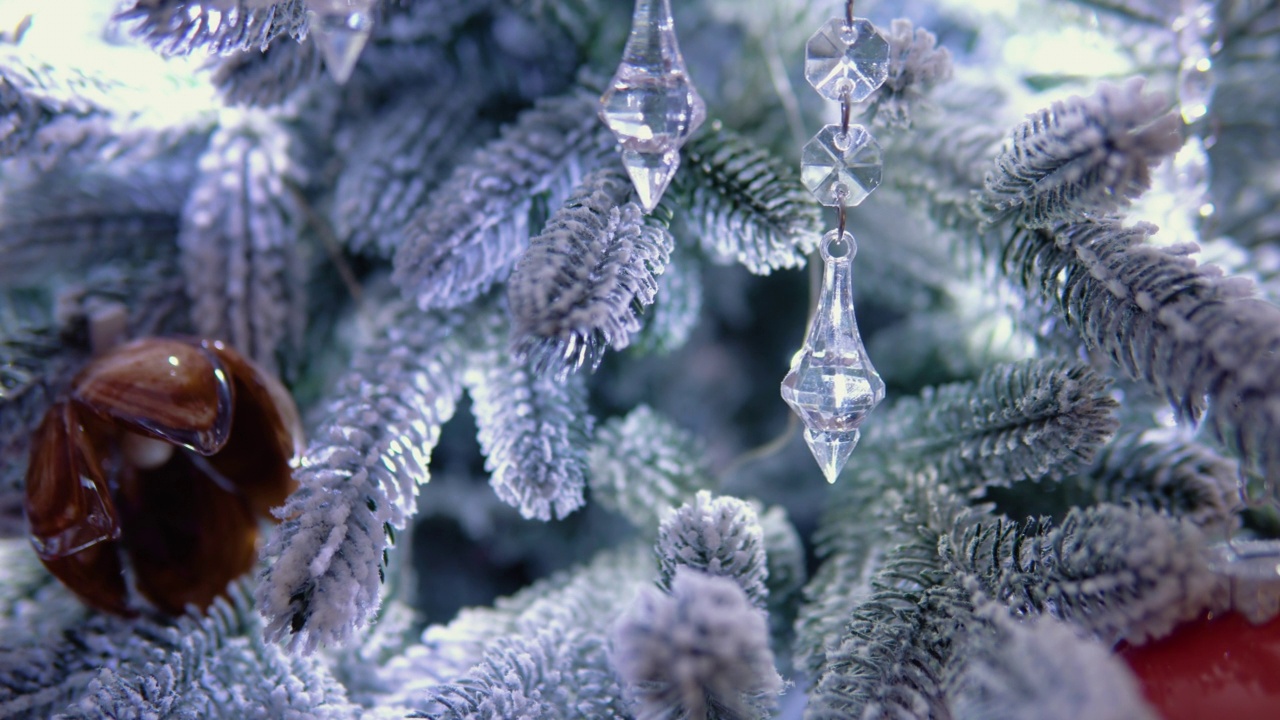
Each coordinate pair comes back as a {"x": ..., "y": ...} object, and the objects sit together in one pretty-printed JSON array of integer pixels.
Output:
[
  {"x": 841, "y": 168},
  {"x": 845, "y": 59}
]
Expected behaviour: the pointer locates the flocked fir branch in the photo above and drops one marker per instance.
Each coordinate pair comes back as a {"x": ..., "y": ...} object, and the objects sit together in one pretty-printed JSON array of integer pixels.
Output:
[
  {"x": 240, "y": 239},
  {"x": 475, "y": 225},
  {"x": 718, "y": 536},
  {"x": 700, "y": 652},
  {"x": 179, "y": 27},
  {"x": 1082, "y": 157},
  {"x": 1176, "y": 476},
  {"x": 359, "y": 479},
  {"x": 1119, "y": 573},
  {"x": 642, "y": 465},
  {"x": 395, "y": 162},
  {"x": 265, "y": 78},
  {"x": 1031, "y": 420},
  {"x": 745, "y": 205},
  {"x": 1199, "y": 339},
  {"x": 1013, "y": 667},
  {"x": 586, "y": 278},
  {"x": 916, "y": 64},
  {"x": 533, "y": 431}
]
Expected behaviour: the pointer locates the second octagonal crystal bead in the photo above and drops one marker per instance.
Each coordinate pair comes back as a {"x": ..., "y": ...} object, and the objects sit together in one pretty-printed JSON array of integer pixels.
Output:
[
  {"x": 841, "y": 168},
  {"x": 845, "y": 59}
]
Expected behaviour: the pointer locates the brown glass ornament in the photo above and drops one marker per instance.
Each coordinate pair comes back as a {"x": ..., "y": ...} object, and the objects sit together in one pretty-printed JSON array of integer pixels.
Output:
[{"x": 165, "y": 456}]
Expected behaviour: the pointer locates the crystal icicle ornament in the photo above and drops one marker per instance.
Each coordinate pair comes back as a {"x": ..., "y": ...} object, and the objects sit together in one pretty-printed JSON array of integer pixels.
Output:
[
  {"x": 650, "y": 105},
  {"x": 841, "y": 168},
  {"x": 341, "y": 27},
  {"x": 832, "y": 385},
  {"x": 846, "y": 59}
]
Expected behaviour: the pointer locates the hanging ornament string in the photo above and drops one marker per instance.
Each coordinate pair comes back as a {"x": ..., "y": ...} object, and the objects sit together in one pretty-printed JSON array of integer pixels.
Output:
[
  {"x": 650, "y": 105},
  {"x": 832, "y": 385}
]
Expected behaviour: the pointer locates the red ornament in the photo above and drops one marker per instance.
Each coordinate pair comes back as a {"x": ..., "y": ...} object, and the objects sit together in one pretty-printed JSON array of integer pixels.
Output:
[
  {"x": 165, "y": 456},
  {"x": 1224, "y": 667}
]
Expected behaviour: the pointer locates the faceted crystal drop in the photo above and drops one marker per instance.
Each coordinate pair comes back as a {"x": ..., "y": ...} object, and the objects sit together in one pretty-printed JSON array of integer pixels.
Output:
[
  {"x": 650, "y": 105},
  {"x": 846, "y": 59},
  {"x": 832, "y": 385},
  {"x": 841, "y": 167},
  {"x": 341, "y": 27},
  {"x": 650, "y": 173}
]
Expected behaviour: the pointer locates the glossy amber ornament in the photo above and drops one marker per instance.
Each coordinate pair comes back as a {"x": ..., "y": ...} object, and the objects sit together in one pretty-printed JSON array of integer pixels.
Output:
[
  {"x": 1223, "y": 667},
  {"x": 164, "y": 457}
]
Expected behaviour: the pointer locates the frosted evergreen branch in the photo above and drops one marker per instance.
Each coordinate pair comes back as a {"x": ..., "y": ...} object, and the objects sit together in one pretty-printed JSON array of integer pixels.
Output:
[
  {"x": 1117, "y": 573},
  {"x": 719, "y": 536},
  {"x": 240, "y": 236},
  {"x": 1198, "y": 339},
  {"x": 1030, "y": 420},
  {"x": 398, "y": 158},
  {"x": 35, "y": 366},
  {"x": 916, "y": 64},
  {"x": 558, "y": 672},
  {"x": 1082, "y": 157},
  {"x": 700, "y": 652},
  {"x": 1176, "y": 476},
  {"x": 943, "y": 166},
  {"x": 677, "y": 307},
  {"x": 533, "y": 431},
  {"x": 582, "y": 284},
  {"x": 1010, "y": 668},
  {"x": 37, "y": 681},
  {"x": 359, "y": 477},
  {"x": 642, "y": 465},
  {"x": 590, "y": 596},
  {"x": 50, "y": 111},
  {"x": 265, "y": 78},
  {"x": 745, "y": 205},
  {"x": 785, "y": 570},
  {"x": 214, "y": 665},
  {"x": 181, "y": 27},
  {"x": 890, "y": 661},
  {"x": 73, "y": 218},
  {"x": 34, "y": 607},
  {"x": 476, "y": 224},
  {"x": 849, "y": 545},
  {"x": 579, "y": 20}
]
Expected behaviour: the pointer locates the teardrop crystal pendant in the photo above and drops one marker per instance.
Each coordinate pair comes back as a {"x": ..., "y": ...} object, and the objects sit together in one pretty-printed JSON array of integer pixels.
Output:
[
  {"x": 341, "y": 27},
  {"x": 832, "y": 385},
  {"x": 650, "y": 105}
]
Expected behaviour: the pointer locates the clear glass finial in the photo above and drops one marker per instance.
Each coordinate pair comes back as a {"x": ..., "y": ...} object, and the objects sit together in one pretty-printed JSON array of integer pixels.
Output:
[
  {"x": 651, "y": 106},
  {"x": 846, "y": 59},
  {"x": 832, "y": 385},
  {"x": 342, "y": 28},
  {"x": 841, "y": 168}
]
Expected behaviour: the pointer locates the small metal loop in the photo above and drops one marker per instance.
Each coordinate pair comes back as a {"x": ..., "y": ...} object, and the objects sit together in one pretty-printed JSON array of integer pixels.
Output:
[
  {"x": 846, "y": 111},
  {"x": 848, "y": 13},
  {"x": 840, "y": 215}
]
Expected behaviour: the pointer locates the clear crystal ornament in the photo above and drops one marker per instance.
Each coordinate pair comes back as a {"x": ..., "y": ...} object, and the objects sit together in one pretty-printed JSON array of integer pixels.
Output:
[
  {"x": 846, "y": 59},
  {"x": 832, "y": 385},
  {"x": 341, "y": 28},
  {"x": 841, "y": 168},
  {"x": 651, "y": 106}
]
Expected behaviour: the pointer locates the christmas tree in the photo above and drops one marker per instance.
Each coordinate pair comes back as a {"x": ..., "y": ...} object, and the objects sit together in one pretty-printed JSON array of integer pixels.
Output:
[{"x": 544, "y": 468}]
